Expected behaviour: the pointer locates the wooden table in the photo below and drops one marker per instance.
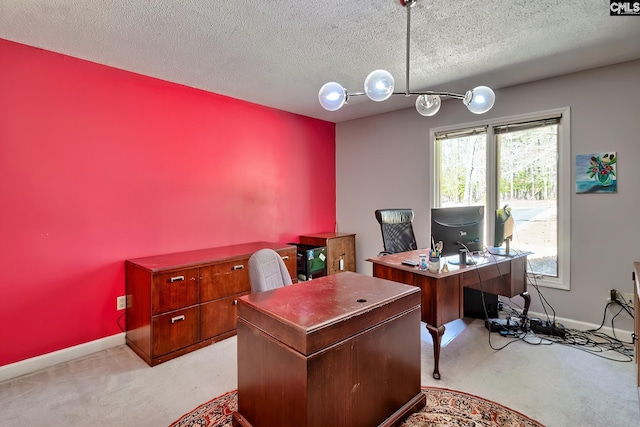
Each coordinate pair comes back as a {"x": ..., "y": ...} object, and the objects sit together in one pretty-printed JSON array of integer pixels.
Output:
[
  {"x": 339, "y": 350},
  {"x": 442, "y": 294}
]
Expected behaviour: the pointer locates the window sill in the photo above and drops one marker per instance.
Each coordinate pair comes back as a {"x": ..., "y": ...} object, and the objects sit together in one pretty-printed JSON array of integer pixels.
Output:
[{"x": 547, "y": 282}]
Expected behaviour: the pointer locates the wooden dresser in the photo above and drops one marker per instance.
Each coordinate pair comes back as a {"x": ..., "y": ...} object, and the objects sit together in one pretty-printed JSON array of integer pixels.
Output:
[
  {"x": 179, "y": 302},
  {"x": 341, "y": 249}
]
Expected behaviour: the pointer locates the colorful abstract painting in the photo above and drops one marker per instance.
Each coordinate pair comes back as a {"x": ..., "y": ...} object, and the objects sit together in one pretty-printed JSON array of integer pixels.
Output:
[{"x": 596, "y": 173}]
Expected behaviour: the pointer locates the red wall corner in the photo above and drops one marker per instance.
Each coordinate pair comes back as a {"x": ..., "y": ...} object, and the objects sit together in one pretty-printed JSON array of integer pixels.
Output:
[{"x": 98, "y": 165}]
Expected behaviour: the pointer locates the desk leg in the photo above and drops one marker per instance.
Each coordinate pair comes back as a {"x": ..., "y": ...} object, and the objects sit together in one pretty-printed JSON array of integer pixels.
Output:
[
  {"x": 436, "y": 334},
  {"x": 527, "y": 302}
]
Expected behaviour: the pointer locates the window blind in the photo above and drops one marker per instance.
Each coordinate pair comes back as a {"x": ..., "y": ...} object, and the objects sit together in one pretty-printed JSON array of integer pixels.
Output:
[
  {"x": 461, "y": 133},
  {"x": 512, "y": 127}
]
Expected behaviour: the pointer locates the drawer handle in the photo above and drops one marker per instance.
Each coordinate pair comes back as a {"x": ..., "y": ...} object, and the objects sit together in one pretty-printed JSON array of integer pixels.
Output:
[
  {"x": 235, "y": 302},
  {"x": 238, "y": 267},
  {"x": 286, "y": 257},
  {"x": 177, "y": 319},
  {"x": 177, "y": 279}
]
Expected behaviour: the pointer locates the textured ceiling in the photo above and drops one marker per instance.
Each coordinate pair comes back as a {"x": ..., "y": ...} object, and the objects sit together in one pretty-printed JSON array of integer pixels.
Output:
[{"x": 279, "y": 53}]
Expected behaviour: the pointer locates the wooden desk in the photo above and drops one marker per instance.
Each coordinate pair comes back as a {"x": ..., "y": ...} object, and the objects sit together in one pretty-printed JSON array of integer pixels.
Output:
[
  {"x": 442, "y": 295},
  {"x": 339, "y": 350}
]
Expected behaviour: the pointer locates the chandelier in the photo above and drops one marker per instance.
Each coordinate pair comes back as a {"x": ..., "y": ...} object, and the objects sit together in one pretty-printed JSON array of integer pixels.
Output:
[{"x": 379, "y": 86}]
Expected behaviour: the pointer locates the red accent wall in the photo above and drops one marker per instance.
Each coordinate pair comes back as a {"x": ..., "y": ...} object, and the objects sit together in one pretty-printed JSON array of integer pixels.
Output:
[{"x": 98, "y": 165}]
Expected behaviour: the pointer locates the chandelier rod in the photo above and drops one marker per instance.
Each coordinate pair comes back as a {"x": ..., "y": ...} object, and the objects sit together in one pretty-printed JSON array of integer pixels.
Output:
[
  {"x": 409, "y": 4},
  {"x": 379, "y": 86},
  {"x": 422, "y": 92}
]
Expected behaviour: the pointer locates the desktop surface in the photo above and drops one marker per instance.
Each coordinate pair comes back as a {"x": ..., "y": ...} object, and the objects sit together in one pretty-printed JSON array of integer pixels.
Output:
[
  {"x": 307, "y": 314},
  {"x": 395, "y": 260},
  {"x": 503, "y": 251}
]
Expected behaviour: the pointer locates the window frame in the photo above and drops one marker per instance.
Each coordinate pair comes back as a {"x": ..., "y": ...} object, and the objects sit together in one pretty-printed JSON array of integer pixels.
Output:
[{"x": 563, "y": 281}]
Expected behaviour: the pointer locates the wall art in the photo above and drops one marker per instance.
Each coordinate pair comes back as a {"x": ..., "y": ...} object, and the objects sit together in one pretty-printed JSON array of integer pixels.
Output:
[{"x": 597, "y": 173}]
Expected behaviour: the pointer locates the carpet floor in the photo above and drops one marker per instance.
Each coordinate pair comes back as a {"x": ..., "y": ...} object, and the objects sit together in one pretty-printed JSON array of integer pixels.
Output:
[{"x": 557, "y": 385}]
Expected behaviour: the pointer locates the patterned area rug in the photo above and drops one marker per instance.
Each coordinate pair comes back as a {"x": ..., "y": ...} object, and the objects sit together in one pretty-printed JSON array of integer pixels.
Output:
[{"x": 444, "y": 408}]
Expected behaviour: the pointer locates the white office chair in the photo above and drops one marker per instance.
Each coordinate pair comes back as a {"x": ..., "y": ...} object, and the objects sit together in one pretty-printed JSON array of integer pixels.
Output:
[{"x": 267, "y": 271}]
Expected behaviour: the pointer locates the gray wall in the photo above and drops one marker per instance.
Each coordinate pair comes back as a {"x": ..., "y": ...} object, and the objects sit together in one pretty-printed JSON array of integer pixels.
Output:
[{"x": 383, "y": 161}]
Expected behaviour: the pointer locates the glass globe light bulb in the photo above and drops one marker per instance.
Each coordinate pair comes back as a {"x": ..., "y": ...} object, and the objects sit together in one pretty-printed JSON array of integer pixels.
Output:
[
  {"x": 428, "y": 105},
  {"x": 479, "y": 100},
  {"x": 332, "y": 96},
  {"x": 379, "y": 85}
]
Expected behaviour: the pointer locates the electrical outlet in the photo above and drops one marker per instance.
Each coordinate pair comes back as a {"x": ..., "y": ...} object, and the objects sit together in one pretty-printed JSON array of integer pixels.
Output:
[
  {"x": 121, "y": 302},
  {"x": 628, "y": 298}
]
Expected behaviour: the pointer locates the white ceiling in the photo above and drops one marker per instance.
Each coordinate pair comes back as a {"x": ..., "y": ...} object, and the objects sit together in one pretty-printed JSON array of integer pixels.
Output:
[{"x": 279, "y": 53}]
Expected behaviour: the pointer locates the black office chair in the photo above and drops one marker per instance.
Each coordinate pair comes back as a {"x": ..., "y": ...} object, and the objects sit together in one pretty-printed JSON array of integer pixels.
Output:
[
  {"x": 397, "y": 230},
  {"x": 267, "y": 271}
]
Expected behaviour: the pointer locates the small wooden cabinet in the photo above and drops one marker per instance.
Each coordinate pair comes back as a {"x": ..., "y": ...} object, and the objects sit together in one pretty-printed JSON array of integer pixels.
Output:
[
  {"x": 341, "y": 249},
  {"x": 179, "y": 302}
]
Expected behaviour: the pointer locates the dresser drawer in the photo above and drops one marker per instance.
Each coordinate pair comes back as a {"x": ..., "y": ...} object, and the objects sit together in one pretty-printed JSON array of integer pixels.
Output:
[
  {"x": 175, "y": 330},
  {"x": 219, "y": 316},
  {"x": 289, "y": 258},
  {"x": 224, "y": 279},
  {"x": 173, "y": 290}
]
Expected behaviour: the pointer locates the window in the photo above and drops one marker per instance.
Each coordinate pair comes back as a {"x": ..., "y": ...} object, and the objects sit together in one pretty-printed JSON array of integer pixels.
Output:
[{"x": 520, "y": 161}]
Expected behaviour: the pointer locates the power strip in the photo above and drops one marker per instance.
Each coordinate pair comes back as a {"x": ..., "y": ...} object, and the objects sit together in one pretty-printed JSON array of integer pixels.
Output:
[
  {"x": 497, "y": 325},
  {"x": 547, "y": 328}
]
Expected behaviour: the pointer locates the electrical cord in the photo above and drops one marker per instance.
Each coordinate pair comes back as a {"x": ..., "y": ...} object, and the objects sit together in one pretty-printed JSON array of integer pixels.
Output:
[
  {"x": 604, "y": 317},
  {"x": 590, "y": 341},
  {"x": 122, "y": 328},
  {"x": 594, "y": 343},
  {"x": 628, "y": 308},
  {"x": 484, "y": 305},
  {"x": 543, "y": 300}
]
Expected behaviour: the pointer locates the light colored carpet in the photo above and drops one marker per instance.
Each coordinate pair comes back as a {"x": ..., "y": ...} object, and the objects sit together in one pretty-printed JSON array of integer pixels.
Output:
[{"x": 556, "y": 385}]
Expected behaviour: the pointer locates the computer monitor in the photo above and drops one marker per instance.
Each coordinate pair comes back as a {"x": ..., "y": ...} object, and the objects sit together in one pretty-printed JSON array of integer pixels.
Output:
[
  {"x": 460, "y": 227},
  {"x": 503, "y": 231}
]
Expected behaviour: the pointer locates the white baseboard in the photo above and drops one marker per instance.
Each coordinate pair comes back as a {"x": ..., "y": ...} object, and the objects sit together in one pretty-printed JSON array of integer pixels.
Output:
[
  {"x": 46, "y": 360},
  {"x": 621, "y": 334}
]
